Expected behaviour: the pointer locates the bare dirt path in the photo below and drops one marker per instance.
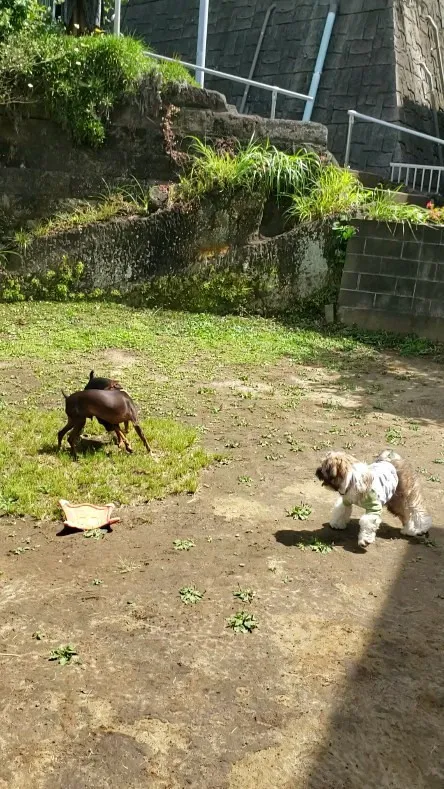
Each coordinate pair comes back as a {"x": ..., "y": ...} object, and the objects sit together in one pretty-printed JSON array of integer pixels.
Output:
[{"x": 341, "y": 685}]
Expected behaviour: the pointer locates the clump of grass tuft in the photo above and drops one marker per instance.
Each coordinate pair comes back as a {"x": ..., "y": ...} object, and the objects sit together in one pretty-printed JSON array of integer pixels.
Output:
[
  {"x": 183, "y": 545},
  {"x": 255, "y": 167}
]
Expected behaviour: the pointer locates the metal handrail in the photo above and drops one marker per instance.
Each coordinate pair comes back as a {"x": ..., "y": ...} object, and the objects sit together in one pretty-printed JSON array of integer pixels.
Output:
[
  {"x": 352, "y": 114},
  {"x": 274, "y": 90}
]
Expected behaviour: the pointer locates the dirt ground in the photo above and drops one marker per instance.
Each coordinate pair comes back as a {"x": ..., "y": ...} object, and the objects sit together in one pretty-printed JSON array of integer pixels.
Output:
[{"x": 342, "y": 684}]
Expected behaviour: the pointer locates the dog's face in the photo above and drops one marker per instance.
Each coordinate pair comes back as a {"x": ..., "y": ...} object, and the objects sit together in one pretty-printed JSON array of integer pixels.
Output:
[{"x": 335, "y": 471}]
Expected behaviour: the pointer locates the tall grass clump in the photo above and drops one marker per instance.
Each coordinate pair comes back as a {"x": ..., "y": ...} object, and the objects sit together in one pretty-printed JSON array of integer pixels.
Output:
[
  {"x": 254, "y": 167},
  {"x": 331, "y": 193},
  {"x": 78, "y": 79}
]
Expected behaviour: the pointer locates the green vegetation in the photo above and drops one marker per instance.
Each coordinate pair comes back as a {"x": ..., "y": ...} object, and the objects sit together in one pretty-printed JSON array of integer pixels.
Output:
[
  {"x": 128, "y": 200},
  {"x": 256, "y": 167},
  {"x": 242, "y": 622},
  {"x": 300, "y": 512},
  {"x": 63, "y": 654},
  {"x": 190, "y": 595},
  {"x": 316, "y": 545},
  {"x": 317, "y": 190},
  {"x": 79, "y": 80},
  {"x": 34, "y": 476}
]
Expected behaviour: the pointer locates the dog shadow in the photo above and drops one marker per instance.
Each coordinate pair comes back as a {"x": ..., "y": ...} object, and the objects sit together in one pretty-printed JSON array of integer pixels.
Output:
[
  {"x": 347, "y": 539},
  {"x": 87, "y": 445}
]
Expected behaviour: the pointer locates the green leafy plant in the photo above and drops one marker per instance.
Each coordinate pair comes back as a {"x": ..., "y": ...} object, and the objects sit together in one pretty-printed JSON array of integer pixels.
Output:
[
  {"x": 300, "y": 512},
  {"x": 246, "y": 595},
  {"x": 242, "y": 622},
  {"x": 190, "y": 595},
  {"x": 183, "y": 545},
  {"x": 393, "y": 435},
  {"x": 94, "y": 534},
  {"x": 316, "y": 545},
  {"x": 63, "y": 654}
]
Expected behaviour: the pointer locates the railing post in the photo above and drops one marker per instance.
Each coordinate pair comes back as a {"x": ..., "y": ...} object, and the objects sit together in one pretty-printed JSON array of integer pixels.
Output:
[
  {"x": 117, "y": 7},
  {"x": 202, "y": 41},
  {"x": 273, "y": 105},
  {"x": 351, "y": 120}
]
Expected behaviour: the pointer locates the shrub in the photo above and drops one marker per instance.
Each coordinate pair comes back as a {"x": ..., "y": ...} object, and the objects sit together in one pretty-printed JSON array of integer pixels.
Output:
[{"x": 79, "y": 80}]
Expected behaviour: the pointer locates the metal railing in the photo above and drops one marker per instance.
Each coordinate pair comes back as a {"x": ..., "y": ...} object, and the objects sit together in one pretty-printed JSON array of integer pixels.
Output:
[
  {"x": 418, "y": 177},
  {"x": 273, "y": 89},
  {"x": 352, "y": 115}
]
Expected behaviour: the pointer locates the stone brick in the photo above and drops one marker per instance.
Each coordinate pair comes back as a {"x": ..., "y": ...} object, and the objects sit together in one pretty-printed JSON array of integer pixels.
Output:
[
  {"x": 428, "y": 271},
  {"x": 356, "y": 244},
  {"x": 429, "y": 290},
  {"x": 375, "y": 283},
  {"x": 411, "y": 250},
  {"x": 399, "y": 268},
  {"x": 421, "y": 306},
  {"x": 392, "y": 303},
  {"x": 350, "y": 280},
  {"x": 383, "y": 248},
  {"x": 437, "y": 309},
  {"x": 362, "y": 263},
  {"x": 432, "y": 253},
  {"x": 405, "y": 287},
  {"x": 356, "y": 298}
]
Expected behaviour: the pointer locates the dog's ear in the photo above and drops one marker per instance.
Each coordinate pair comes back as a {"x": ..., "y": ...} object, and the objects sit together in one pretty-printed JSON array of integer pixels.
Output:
[
  {"x": 91, "y": 375},
  {"x": 319, "y": 474}
]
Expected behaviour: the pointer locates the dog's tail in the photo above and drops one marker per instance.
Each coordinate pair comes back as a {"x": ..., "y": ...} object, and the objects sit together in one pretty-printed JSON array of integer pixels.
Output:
[{"x": 64, "y": 395}]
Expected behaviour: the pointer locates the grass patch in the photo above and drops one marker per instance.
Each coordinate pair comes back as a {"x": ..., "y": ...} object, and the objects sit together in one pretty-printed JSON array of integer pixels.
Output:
[
  {"x": 126, "y": 201},
  {"x": 34, "y": 476},
  {"x": 60, "y": 333}
]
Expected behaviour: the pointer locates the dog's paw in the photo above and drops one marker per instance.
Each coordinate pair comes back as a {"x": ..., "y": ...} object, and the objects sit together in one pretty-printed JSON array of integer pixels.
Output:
[{"x": 364, "y": 540}]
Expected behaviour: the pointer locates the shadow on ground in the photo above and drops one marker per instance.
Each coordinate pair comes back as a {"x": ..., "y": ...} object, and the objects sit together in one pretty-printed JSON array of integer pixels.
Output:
[{"x": 386, "y": 728}]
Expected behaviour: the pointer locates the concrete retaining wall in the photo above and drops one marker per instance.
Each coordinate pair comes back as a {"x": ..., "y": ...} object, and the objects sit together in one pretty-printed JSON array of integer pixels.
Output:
[{"x": 393, "y": 279}]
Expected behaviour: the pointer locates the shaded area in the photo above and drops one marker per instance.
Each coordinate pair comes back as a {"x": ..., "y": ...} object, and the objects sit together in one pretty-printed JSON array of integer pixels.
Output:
[{"x": 386, "y": 730}]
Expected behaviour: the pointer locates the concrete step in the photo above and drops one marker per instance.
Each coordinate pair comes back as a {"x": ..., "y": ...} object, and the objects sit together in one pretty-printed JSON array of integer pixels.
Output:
[{"x": 400, "y": 193}]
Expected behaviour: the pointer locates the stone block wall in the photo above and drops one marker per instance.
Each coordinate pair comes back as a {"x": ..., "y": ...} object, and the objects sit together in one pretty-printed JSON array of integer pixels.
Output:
[
  {"x": 372, "y": 66},
  {"x": 393, "y": 279}
]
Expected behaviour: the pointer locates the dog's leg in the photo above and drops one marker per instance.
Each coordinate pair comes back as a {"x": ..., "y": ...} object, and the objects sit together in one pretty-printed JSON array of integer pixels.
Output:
[
  {"x": 368, "y": 526},
  {"x": 141, "y": 435},
  {"x": 417, "y": 523},
  {"x": 341, "y": 515},
  {"x": 74, "y": 437},
  {"x": 122, "y": 440},
  {"x": 63, "y": 432}
]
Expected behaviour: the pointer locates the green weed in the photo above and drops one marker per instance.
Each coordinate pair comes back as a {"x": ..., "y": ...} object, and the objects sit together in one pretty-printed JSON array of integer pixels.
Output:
[
  {"x": 246, "y": 595},
  {"x": 183, "y": 545},
  {"x": 300, "y": 512},
  {"x": 316, "y": 545},
  {"x": 190, "y": 595},
  {"x": 242, "y": 622},
  {"x": 63, "y": 654}
]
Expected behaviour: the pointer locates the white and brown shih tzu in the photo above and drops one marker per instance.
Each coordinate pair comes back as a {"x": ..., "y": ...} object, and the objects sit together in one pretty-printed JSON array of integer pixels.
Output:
[{"x": 390, "y": 481}]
